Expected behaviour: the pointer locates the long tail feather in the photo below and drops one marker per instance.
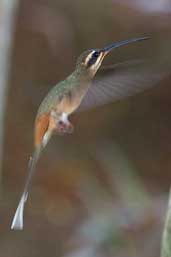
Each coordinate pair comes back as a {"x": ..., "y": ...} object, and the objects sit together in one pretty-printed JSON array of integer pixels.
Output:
[{"x": 17, "y": 223}]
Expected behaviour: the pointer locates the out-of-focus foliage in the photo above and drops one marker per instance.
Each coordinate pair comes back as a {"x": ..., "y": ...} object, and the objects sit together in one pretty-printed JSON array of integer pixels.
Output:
[
  {"x": 158, "y": 6},
  {"x": 7, "y": 27},
  {"x": 166, "y": 240},
  {"x": 102, "y": 190}
]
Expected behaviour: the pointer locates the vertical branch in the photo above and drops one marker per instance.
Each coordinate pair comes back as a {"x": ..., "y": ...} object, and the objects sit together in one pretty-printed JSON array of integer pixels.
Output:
[
  {"x": 7, "y": 22},
  {"x": 166, "y": 240}
]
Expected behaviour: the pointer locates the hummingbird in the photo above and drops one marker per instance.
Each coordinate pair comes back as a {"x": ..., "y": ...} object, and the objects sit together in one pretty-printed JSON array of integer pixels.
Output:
[{"x": 80, "y": 91}]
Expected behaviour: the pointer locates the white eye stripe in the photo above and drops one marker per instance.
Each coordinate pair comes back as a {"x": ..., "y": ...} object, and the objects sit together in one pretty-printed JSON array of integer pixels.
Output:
[
  {"x": 89, "y": 57},
  {"x": 98, "y": 62}
]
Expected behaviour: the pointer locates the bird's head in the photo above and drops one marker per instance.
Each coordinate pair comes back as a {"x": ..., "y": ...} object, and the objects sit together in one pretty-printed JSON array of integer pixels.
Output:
[{"x": 91, "y": 60}]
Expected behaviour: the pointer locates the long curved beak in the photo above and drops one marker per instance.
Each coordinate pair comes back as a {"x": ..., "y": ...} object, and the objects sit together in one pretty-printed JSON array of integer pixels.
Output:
[{"x": 108, "y": 48}]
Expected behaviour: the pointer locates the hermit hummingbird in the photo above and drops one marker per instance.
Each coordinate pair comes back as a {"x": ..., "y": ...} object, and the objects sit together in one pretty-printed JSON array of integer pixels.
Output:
[{"x": 81, "y": 90}]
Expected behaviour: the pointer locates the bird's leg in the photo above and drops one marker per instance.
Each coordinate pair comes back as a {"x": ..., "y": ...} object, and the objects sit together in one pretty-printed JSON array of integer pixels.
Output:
[{"x": 63, "y": 125}]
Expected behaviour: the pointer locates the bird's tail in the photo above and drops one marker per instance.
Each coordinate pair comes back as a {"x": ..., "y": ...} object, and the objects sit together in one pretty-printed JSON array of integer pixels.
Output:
[{"x": 17, "y": 223}]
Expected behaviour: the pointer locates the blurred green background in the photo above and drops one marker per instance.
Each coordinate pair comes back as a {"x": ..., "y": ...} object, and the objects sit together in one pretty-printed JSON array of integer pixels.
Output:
[{"x": 101, "y": 191}]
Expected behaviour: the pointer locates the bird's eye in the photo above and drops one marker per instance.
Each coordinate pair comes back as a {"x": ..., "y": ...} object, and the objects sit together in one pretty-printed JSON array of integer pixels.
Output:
[
  {"x": 95, "y": 54},
  {"x": 93, "y": 58}
]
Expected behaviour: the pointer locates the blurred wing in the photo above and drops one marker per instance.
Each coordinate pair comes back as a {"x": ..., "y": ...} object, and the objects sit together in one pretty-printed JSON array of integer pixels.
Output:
[{"x": 120, "y": 81}]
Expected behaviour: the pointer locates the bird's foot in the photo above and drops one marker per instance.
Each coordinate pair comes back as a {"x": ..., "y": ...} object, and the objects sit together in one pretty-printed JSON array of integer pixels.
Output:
[
  {"x": 64, "y": 127},
  {"x": 61, "y": 123}
]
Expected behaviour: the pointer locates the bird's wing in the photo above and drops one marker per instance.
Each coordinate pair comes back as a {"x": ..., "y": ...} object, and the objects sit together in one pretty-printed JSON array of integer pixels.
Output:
[{"x": 122, "y": 80}]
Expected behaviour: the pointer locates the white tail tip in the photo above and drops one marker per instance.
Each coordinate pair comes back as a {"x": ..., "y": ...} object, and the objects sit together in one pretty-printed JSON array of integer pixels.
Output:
[{"x": 17, "y": 223}]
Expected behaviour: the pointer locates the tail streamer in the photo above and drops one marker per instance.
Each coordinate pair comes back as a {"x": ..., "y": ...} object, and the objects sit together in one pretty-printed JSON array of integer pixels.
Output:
[{"x": 17, "y": 222}]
